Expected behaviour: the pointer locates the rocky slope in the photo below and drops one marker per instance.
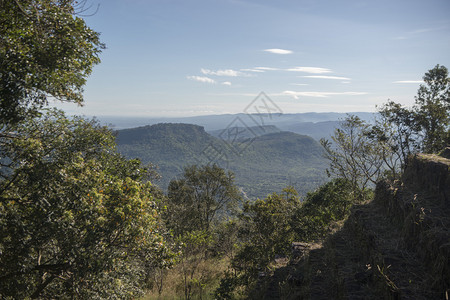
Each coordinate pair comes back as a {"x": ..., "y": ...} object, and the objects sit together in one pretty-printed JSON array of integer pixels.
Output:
[{"x": 395, "y": 247}]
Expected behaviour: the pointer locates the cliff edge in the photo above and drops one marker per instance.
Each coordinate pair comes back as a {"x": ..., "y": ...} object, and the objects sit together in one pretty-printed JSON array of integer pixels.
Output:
[{"x": 394, "y": 247}]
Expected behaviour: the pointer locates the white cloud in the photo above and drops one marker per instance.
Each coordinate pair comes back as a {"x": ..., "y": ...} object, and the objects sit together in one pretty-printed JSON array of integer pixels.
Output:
[
  {"x": 253, "y": 70},
  {"x": 201, "y": 79},
  {"x": 408, "y": 81},
  {"x": 227, "y": 72},
  {"x": 327, "y": 77},
  {"x": 296, "y": 95},
  {"x": 266, "y": 68},
  {"x": 312, "y": 70},
  {"x": 226, "y": 83},
  {"x": 299, "y": 84},
  {"x": 278, "y": 51},
  {"x": 260, "y": 69}
]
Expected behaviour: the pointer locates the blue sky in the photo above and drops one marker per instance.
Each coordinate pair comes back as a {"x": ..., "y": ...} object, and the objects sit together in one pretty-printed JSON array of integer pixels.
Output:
[{"x": 197, "y": 57}]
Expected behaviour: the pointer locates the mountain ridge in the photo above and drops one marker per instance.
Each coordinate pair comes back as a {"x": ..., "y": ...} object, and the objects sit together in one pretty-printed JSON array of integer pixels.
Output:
[
  {"x": 262, "y": 164},
  {"x": 217, "y": 122}
]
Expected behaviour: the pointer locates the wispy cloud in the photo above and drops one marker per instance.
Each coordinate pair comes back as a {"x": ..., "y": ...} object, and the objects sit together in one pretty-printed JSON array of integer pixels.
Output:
[
  {"x": 278, "y": 51},
  {"x": 417, "y": 32},
  {"x": 327, "y": 77},
  {"x": 227, "y": 72},
  {"x": 260, "y": 69},
  {"x": 252, "y": 70},
  {"x": 299, "y": 84},
  {"x": 312, "y": 70},
  {"x": 202, "y": 79},
  {"x": 226, "y": 83},
  {"x": 424, "y": 30},
  {"x": 266, "y": 68},
  {"x": 408, "y": 81},
  {"x": 296, "y": 95}
]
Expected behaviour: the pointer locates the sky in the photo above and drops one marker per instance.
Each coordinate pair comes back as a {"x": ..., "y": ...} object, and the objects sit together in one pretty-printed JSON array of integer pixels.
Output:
[{"x": 170, "y": 58}]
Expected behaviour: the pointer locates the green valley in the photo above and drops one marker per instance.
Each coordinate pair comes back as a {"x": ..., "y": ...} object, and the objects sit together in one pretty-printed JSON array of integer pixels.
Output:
[{"x": 261, "y": 162}]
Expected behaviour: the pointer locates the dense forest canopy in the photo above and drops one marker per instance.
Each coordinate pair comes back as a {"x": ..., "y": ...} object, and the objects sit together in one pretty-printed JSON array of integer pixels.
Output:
[
  {"x": 77, "y": 220},
  {"x": 46, "y": 51}
]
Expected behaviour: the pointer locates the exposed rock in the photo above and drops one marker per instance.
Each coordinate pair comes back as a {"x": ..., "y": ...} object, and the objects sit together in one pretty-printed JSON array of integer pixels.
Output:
[
  {"x": 396, "y": 247},
  {"x": 446, "y": 153},
  {"x": 430, "y": 173}
]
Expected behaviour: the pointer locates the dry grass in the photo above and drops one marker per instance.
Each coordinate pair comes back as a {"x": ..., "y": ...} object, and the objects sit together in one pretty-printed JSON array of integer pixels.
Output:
[{"x": 435, "y": 158}]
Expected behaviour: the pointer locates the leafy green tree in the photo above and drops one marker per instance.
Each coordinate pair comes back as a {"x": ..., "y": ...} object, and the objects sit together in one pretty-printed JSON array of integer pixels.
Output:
[
  {"x": 76, "y": 220},
  {"x": 354, "y": 156},
  {"x": 195, "y": 244},
  {"x": 322, "y": 208},
  {"x": 433, "y": 109},
  {"x": 198, "y": 206},
  {"x": 363, "y": 154},
  {"x": 396, "y": 131},
  {"x": 225, "y": 237},
  {"x": 266, "y": 231},
  {"x": 46, "y": 51},
  {"x": 425, "y": 127},
  {"x": 269, "y": 226},
  {"x": 202, "y": 197}
]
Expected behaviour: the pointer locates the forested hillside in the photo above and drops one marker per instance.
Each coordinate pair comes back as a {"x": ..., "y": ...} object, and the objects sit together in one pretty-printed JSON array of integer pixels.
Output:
[
  {"x": 261, "y": 163},
  {"x": 261, "y": 214},
  {"x": 240, "y": 133}
]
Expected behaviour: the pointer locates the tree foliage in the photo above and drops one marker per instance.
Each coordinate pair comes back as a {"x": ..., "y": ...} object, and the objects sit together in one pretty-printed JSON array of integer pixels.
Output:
[
  {"x": 203, "y": 196},
  {"x": 75, "y": 218},
  {"x": 266, "y": 231},
  {"x": 46, "y": 51},
  {"x": 269, "y": 226},
  {"x": 195, "y": 244},
  {"x": 363, "y": 153},
  {"x": 198, "y": 208},
  {"x": 396, "y": 130},
  {"x": 433, "y": 109},
  {"x": 423, "y": 128},
  {"x": 321, "y": 208},
  {"x": 354, "y": 156}
]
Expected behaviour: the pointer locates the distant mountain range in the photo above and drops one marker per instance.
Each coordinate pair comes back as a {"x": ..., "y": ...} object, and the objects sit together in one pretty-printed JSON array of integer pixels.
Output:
[
  {"x": 265, "y": 159},
  {"x": 316, "y": 125}
]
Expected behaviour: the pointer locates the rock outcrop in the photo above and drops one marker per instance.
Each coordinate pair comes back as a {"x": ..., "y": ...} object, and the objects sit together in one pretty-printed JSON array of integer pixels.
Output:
[{"x": 395, "y": 247}]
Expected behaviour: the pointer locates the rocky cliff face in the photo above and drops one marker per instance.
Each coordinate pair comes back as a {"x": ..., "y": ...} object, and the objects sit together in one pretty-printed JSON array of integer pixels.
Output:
[
  {"x": 420, "y": 207},
  {"x": 430, "y": 173},
  {"x": 395, "y": 247}
]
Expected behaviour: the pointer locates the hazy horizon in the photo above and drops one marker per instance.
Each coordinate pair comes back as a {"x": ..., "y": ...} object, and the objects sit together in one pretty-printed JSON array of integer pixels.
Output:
[{"x": 218, "y": 114}]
